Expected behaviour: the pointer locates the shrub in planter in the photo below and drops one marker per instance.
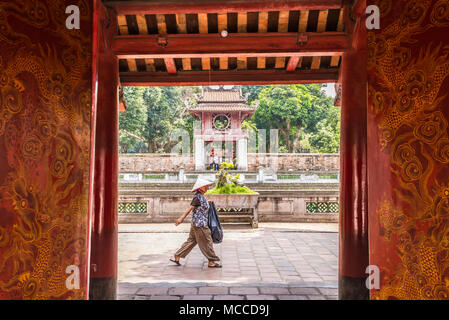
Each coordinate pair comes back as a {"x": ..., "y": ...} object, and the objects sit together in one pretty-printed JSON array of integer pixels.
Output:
[{"x": 229, "y": 184}]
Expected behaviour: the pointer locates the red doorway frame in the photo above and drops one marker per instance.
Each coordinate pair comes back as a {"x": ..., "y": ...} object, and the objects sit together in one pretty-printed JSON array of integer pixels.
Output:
[{"x": 354, "y": 257}]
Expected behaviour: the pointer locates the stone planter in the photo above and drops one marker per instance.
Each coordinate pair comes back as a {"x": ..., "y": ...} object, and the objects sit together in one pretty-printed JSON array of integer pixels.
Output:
[{"x": 237, "y": 201}]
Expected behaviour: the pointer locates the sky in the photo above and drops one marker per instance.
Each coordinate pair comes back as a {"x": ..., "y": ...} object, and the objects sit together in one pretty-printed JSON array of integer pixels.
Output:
[{"x": 330, "y": 90}]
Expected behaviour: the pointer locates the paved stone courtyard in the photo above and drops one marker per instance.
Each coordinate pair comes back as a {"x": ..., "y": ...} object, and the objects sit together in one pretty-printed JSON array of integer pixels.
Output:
[{"x": 265, "y": 263}]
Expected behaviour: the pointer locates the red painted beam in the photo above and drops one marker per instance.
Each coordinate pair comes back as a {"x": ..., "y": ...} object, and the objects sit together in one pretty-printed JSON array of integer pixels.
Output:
[
  {"x": 203, "y": 78},
  {"x": 170, "y": 64},
  {"x": 292, "y": 64},
  {"x": 235, "y": 45},
  {"x": 218, "y": 6}
]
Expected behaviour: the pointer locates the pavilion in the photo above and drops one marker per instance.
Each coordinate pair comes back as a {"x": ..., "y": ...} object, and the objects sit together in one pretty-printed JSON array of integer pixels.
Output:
[{"x": 221, "y": 112}]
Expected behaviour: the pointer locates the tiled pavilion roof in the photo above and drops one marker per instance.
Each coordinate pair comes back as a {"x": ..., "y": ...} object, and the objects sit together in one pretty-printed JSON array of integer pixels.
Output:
[{"x": 222, "y": 100}]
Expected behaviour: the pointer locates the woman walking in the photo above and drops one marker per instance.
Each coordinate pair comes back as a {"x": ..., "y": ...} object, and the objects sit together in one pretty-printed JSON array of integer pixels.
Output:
[{"x": 199, "y": 231}]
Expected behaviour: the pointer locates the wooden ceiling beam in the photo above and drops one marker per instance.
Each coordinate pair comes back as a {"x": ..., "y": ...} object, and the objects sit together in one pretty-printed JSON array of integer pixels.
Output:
[
  {"x": 170, "y": 65},
  {"x": 242, "y": 21},
  {"x": 217, "y": 6},
  {"x": 248, "y": 77},
  {"x": 203, "y": 27},
  {"x": 222, "y": 19},
  {"x": 236, "y": 45},
  {"x": 292, "y": 64},
  {"x": 335, "y": 60},
  {"x": 322, "y": 22},
  {"x": 123, "y": 28},
  {"x": 262, "y": 28}
]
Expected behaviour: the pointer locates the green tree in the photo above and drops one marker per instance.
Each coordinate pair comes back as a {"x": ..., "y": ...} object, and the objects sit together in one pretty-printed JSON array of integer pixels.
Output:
[
  {"x": 285, "y": 108},
  {"x": 152, "y": 114},
  {"x": 132, "y": 121},
  {"x": 186, "y": 121},
  {"x": 249, "y": 125},
  {"x": 326, "y": 139},
  {"x": 161, "y": 105},
  {"x": 317, "y": 129},
  {"x": 321, "y": 106},
  {"x": 252, "y": 92}
]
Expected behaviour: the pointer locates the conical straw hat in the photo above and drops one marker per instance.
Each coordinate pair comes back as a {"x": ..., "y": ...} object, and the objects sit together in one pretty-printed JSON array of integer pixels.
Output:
[{"x": 201, "y": 182}]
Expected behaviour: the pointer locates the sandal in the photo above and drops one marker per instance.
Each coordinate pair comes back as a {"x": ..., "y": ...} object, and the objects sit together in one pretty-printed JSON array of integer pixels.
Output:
[
  {"x": 177, "y": 262},
  {"x": 215, "y": 265}
]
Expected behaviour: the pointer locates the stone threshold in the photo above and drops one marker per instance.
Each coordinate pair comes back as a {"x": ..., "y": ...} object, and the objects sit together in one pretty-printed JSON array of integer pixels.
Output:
[{"x": 228, "y": 291}]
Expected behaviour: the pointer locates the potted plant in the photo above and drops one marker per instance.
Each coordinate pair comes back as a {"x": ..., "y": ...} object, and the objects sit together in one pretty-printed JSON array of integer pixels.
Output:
[{"x": 229, "y": 193}]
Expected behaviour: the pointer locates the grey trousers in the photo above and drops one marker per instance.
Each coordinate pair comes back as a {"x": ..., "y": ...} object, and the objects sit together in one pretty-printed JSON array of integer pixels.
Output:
[{"x": 202, "y": 237}]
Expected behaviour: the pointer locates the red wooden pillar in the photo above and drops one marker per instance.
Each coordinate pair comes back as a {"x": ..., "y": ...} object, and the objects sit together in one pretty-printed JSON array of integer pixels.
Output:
[
  {"x": 103, "y": 277},
  {"x": 105, "y": 228},
  {"x": 354, "y": 254}
]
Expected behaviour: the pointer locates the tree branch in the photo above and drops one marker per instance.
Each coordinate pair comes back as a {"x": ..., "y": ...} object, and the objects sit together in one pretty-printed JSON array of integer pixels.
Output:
[{"x": 132, "y": 135}]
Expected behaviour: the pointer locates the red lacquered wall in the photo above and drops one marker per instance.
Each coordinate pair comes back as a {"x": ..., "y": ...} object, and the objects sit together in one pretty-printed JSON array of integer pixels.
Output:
[
  {"x": 45, "y": 149},
  {"x": 408, "y": 149}
]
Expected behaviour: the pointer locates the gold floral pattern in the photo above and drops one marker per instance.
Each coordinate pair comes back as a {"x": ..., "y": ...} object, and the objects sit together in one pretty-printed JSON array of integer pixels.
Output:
[
  {"x": 45, "y": 107},
  {"x": 409, "y": 73}
]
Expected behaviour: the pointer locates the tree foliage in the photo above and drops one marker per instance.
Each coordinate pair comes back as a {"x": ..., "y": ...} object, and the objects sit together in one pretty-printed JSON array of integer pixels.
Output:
[
  {"x": 303, "y": 114},
  {"x": 152, "y": 114},
  {"x": 252, "y": 92},
  {"x": 326, "y": 138},
  {"x": 298, "y": 111},
  {"x": 132, "y": 121}
]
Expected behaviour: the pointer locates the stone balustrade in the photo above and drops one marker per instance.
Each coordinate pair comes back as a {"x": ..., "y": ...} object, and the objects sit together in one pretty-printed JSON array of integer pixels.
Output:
[
  {"x": 261, "y": 176},
  {"x": 141, "y": 202}
]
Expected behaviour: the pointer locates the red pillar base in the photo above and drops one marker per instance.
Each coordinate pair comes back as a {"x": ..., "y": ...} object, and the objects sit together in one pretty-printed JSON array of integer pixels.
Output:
[
  {"x": 350, "y": 288},
  {"x": 103, "y": 288}
]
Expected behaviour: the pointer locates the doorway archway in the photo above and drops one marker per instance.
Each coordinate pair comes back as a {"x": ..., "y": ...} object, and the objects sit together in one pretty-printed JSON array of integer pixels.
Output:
[{"x": 177, "y": 43}]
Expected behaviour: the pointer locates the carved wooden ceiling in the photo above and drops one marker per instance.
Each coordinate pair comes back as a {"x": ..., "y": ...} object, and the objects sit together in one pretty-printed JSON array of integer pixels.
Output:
[{"x": 182, "y": 42}]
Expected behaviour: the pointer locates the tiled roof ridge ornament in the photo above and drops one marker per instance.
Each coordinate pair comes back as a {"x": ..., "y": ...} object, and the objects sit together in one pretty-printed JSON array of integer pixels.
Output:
[
  {"x": 222, "y": 88},
  {"x": 220, "y": 94},
  {"x": 222, "y": 98}
]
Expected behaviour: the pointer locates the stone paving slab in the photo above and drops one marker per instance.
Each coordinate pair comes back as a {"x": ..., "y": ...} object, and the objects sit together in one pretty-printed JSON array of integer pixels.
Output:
[
  {"x": 198, "y": 297},
  {"x": 274, "y": 290},
  {"x": 243, "y": 290},
  {"x": 292, "y": 297},
  {"x": 261, "y": 297},
  {"x": 151, "y": 291},
  {"x": 229, "y": 297}
]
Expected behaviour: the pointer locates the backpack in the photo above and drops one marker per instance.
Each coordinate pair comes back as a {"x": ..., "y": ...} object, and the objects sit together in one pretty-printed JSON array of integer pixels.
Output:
[{"x": 214, "y": 224}]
